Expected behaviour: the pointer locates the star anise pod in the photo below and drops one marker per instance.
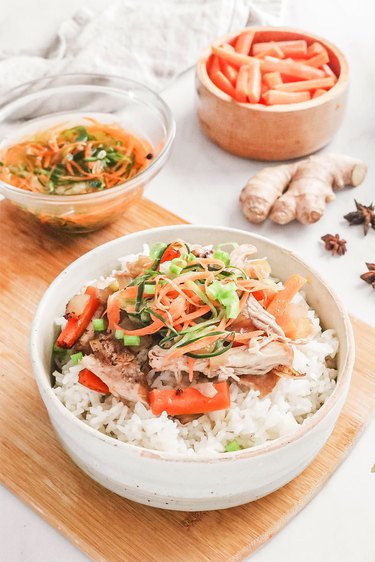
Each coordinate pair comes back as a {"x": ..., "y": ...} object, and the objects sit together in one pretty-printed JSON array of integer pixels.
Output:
[
  {"x": 363, "y": 215},
  {"x": 369, "y": 276},
  {"x": 334, "y": 244}
]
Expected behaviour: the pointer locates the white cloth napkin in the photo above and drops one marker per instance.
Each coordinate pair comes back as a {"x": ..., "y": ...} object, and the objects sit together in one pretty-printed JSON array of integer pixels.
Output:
[{"x": 152, "y": 41}]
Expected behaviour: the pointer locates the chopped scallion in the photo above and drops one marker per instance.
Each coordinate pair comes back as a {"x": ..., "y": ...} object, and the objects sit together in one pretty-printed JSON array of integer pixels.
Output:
[
  {"x": 119, "y": 334},
  {"x": 232, "y": 446},
  {"x": 98, "y": 325},
  {"x": 76, "y": 358},
  {"x": 132, "y": 340},
  {"x": 149, "y": 289},
  {"x": 175, "y": 269},
  {"x": 222, "y": 256},
  {"x": 157, "y": 250}
]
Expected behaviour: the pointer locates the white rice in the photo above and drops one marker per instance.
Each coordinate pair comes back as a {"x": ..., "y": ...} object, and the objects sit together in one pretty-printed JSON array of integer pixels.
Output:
[{"x": 251, "y": 420}]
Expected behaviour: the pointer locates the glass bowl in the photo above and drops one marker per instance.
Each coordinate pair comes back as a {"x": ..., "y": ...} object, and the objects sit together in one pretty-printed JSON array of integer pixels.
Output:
[{"x": 55, "y": 99}]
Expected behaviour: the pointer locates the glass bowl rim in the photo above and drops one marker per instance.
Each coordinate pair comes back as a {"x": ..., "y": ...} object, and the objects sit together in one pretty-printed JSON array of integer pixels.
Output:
[{"x": 168, "y": 119}]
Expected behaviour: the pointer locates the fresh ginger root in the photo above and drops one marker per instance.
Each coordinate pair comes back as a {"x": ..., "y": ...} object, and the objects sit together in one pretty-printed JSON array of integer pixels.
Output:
[{"x": 299, "y": 190}]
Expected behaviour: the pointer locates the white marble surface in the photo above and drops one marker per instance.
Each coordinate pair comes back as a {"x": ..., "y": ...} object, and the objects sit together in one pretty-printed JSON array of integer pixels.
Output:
[{"x": 201, "y": 183}]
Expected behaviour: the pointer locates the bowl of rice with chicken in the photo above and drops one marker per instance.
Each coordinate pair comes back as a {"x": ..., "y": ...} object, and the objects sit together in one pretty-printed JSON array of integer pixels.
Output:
[{"x": 192, "y": 367}]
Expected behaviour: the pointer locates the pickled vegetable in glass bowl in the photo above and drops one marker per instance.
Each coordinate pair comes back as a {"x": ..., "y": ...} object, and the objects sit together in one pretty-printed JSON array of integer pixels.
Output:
[{"x": 76, "y": 151}]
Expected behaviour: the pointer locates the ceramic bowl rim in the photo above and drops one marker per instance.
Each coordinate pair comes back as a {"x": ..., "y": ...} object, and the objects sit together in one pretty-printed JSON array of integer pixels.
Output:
[{"x": 41, "y": 374}]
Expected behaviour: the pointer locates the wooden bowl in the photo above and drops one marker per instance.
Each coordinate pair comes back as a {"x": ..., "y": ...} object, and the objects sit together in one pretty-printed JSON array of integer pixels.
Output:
[{"x": 276, "y": 132}]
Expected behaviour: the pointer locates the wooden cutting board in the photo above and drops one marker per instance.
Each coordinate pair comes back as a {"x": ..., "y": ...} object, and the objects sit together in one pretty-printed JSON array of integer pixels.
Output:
[{"x": 105, "y": 526}]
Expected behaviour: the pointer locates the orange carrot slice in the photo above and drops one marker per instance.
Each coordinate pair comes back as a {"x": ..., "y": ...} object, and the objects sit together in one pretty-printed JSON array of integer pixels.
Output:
[
  {"x": 283, "y": 297},
  {"x": 314, "y": 49},
  {"x": 212, "y": 65},
  {"x": 254, "y": 83},
  {"x": 223, "y": 83},
  {"x": 296, "y": 48},
  {"x": 318, "y": 60},
  {"x": 272, "y": 79},
  {"x": 189, "y": 400},
  {"x": 329, "y": 72},
  {"x": 304, "y": 85},
  {"x": 291, "y": 68},
  {"x": 243, "y": 42},
  {"x": 226, "y": 68},
  {"x": 319, "y": 93},
  {"x": 273, "y": 51},
  {"x": 241, "y": 84},
  {"x": 237, "y": 59},
  {"x": 274, "y": 97}
]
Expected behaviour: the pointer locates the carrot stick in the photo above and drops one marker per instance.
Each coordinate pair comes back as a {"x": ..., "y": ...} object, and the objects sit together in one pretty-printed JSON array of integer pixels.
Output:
[
  {"x": 190, "y": 363},
  {"x": 274, "y": 97},
  {"x": 226, "y": 68},
  {"x": 242, "y": 84},
  {"x": 243, "y": 42},
  {"x": 318, "y": 60},
  {"x": 329, "y": 72},
  {"x": 254, "y": 82},
  {"x": 212, "y": 65},
  {"x": 223, "y": 83},
  {"x": 283, "y": 297},
  {"x": 76, "y": 325},
  {"x": 305, "y": 85},
  {"x": 291, "y": 68},
  {"x": 273, "y": 51},
  {"x": 296, "y": 48},
  {"x": 272, "y": 79},
  {"x": 189, "y": 400},
  {"x": 237, "y": 59},
  {"x": 90, "y": 380},
  {"x": 314, "y": 49},
  {"x": 319, "y": 93}
]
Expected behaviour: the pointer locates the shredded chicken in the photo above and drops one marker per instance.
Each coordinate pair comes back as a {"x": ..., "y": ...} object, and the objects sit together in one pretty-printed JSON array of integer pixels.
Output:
[
  {"x": 260, "y": 318},
  {"x": 255, "y": 360},
  {"x": 239, "y": 255},
  {"x": 118, "y": 368}
]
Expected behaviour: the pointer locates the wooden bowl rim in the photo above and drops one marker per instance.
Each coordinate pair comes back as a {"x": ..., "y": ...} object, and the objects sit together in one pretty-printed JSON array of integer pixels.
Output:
[{"x": 338, "y": 88}]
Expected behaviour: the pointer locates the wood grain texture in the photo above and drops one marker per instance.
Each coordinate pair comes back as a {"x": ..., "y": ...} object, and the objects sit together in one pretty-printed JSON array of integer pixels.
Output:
[
  {"x": 35, "y": 468},
  {"x": 279, "y": 132}
]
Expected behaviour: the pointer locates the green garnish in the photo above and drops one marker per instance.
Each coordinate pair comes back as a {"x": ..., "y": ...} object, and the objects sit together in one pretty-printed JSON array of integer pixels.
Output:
[
  {"x": 119, "y": 334},
  {"x": 222, "y": 256},
  {"x": 98, "y": 325},
  {"x": 76, "y": 358},
  {"x": 232, "y": 446},
  {"x": 58, "y": 349},
  {"x": 132, "y": 340},
  {"x": 149, "y": 289},
  {"x": 157, "y": 250}
]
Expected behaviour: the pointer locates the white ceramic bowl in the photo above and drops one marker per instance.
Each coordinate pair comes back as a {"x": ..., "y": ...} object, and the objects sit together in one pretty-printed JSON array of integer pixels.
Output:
[{"x": 175, "y": 481}]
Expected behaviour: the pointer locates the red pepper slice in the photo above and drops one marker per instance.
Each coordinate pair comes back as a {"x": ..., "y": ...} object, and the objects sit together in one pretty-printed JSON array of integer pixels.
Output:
[
  {"x": 90, "y": 380},
  {"x": 76, "y": 325},
  {"x": 170, "y": 254}
]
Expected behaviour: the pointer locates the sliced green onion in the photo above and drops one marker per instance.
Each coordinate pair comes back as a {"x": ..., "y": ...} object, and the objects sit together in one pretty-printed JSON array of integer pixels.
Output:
[
  {"x": 232, "y": 309},
  {"x": 157, "y": 250},
  {"x": 149, "y": 289},
  {"x": 222, "y": 256},
  {"x": 119, "y": 334},
  {"x": 76, "y": 358},
  {"x": 98, "y": 325},
  {"x": 232, "y": 446},
  {"x": 214, "y": 290},
  {"x": 132, "y": 340},
  {"x": 191, "y": 257},
  {"x": 175, "y": 269}
]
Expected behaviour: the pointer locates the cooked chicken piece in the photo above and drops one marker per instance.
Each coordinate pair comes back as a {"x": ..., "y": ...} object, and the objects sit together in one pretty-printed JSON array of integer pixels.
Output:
[
  {"x": 265, "y": 383},
  {"x": 239, "y": 255},
  {"x": 138, "y": 267},
  {"x": 260, "y": 318},
  {"x": 123, "y": 279},
  {"x": 254, "y": 360},
  {"x": 118, "y": 368},
  {"x": 83, "y": 343}
]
